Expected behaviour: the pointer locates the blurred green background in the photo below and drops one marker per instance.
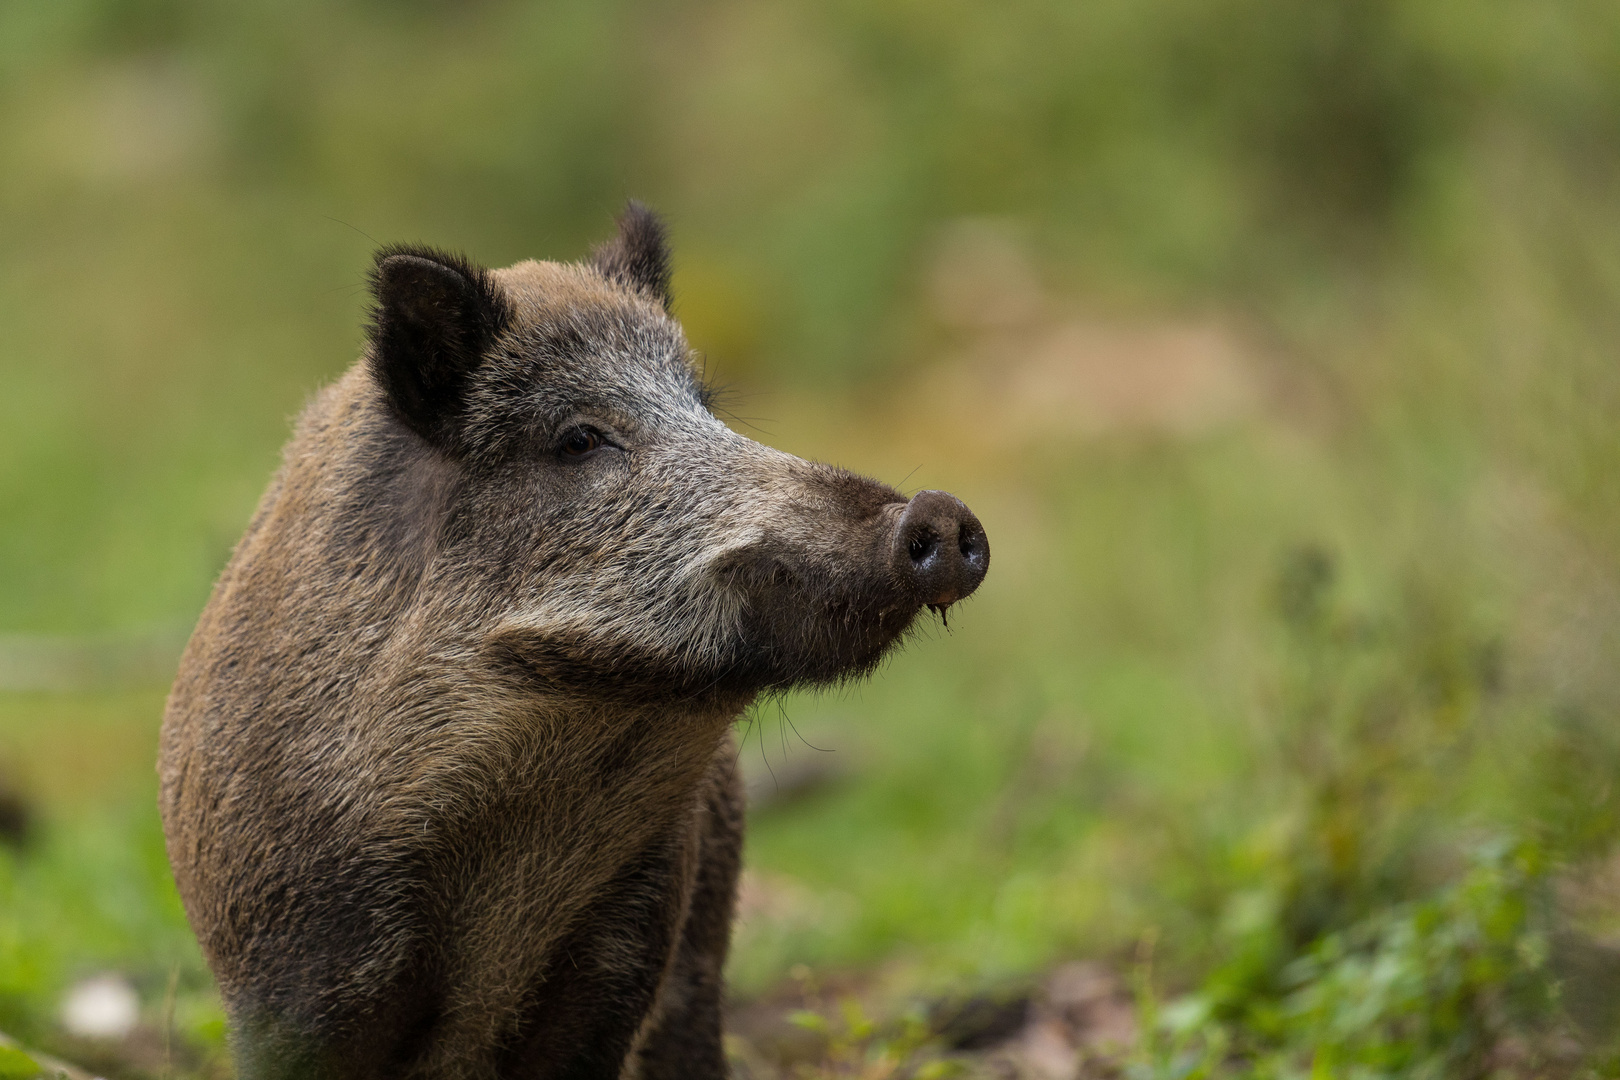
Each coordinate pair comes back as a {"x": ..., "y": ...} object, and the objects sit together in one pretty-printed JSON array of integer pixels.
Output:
[{"x": 1274, "y": 341}]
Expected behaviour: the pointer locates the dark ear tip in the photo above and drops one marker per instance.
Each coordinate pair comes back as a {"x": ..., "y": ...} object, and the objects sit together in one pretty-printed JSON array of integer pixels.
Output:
[
  {"x": 398, "y": 262},
  {"x": 404, "y": 268},
  {"x": 639, "y": 255},
  {"x": 642, "y": 219},
  {"x": 418, "y": 282},
  {"x": 645, "y": 232}
]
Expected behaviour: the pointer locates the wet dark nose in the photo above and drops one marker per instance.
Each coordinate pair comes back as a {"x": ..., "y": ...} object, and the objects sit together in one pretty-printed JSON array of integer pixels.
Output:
[{"x": 940, "y": 545}]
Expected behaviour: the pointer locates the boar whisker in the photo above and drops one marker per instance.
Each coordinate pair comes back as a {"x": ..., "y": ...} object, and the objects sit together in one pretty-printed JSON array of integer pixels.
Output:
[
  {"x": 766, "y": 758},
  {"x": 795, "y": 727}
]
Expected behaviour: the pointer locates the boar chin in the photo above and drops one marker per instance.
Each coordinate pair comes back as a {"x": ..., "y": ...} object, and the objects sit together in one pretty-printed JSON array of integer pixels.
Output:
[{"x": 787, "y": 630}]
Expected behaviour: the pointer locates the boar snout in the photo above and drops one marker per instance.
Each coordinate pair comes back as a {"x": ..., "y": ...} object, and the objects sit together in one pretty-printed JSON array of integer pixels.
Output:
[{"x": 940, "y": 547}]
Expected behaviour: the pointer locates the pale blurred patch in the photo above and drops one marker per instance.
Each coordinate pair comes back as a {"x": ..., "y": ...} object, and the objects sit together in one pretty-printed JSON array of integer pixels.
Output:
[
  {"x": 983, "y": 277},
  {"x": 101, "y": 1007},
  {"x": 1082, "y": 1023},
  {"x": 1030, "y": 368},
  {"x": 1095, "y": 378},
  {"x": 134, "y": 119},
  {"x": 1089, "y": 378}
]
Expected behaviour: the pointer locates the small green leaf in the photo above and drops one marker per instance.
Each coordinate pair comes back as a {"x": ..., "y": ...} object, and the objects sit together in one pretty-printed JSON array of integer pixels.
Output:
[
  {"x": 804, "y": 1018},
  {"x": 855, "y": 1019}
]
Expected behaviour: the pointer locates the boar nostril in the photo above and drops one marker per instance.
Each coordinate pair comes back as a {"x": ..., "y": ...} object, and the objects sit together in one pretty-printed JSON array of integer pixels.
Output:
[{"x": 922, "y": 547}]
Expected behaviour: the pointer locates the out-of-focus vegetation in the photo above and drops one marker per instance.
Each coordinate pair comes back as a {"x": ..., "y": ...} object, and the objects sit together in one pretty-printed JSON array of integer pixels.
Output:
[{"x": 1273, "y": 341}]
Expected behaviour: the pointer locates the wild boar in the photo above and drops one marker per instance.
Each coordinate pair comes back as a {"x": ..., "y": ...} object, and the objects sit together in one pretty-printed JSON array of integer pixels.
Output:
[{"x": 447, "y": 775}]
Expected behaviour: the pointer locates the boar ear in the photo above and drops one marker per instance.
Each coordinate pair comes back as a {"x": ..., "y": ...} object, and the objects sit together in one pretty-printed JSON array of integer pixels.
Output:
[
  {"x": 639, "y": 256},
  {"x": 435, "y": 318}
]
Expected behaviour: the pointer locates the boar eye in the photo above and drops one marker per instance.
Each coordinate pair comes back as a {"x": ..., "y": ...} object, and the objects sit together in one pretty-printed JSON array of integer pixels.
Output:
[{"x": 581, "y": 441}]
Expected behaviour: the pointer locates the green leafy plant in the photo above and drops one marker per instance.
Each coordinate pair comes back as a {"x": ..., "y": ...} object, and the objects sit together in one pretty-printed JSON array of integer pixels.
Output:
[
  {"x": 1426, "y": 989},
  {"x": 859, "y": 1047}
]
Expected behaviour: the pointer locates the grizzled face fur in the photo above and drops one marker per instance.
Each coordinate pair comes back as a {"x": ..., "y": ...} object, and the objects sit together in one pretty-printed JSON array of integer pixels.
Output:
[{"x": 640, "y": 545}]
